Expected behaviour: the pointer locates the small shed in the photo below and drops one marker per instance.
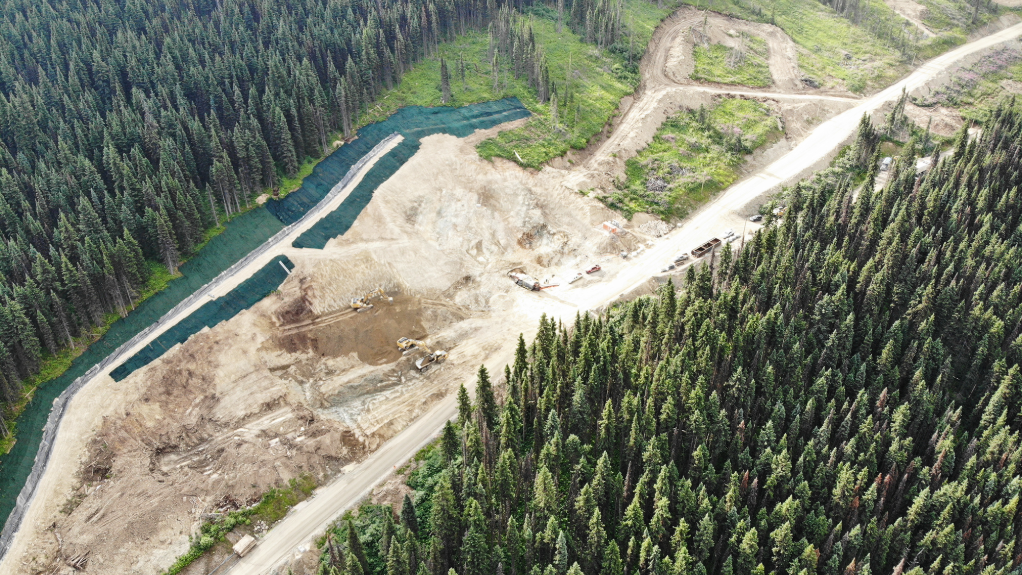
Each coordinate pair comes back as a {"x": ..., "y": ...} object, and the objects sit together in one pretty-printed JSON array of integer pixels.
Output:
[
  {"x": 612, "y": 227},
  {"x": 244, "y": 545}
]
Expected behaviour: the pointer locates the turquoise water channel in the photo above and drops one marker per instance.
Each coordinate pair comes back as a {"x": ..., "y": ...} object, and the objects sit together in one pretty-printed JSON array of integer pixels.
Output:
[{"x": 244, "y": 234}]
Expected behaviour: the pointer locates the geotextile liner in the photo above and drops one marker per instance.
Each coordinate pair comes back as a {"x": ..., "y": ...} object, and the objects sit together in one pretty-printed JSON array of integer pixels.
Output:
[
  {"x": 248, "y": 292},
  {"x": 244, "y": 234},
  {"x": 22, "y": 468}
]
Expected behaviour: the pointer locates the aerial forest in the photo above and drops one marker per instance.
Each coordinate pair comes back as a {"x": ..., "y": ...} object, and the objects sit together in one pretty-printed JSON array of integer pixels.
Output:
[
  {"x": 130, "y": 129},
  {"x": 838, "y": 396}
]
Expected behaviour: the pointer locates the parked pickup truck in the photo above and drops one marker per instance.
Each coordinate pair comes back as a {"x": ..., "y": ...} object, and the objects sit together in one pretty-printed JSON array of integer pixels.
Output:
[{"x": 705, "y": 248}]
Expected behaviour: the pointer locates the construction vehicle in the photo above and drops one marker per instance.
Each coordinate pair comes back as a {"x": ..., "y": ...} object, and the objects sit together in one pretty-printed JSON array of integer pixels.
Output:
[
  {"x": 423, "y": 363},
  {"x": 362, "y": 303},
  {"x": 526, "y": 281}
]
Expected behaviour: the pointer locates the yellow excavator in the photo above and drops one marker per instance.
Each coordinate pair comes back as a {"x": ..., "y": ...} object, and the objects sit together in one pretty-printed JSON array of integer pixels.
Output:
[
  {"x": 362, "y": 303},
  {"x": 423, "y": 363}
]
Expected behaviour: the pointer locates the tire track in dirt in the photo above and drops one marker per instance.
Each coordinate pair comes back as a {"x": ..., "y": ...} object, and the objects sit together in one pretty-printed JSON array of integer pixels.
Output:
[
  {"x": 496, "y": 345},
  {"x": 666, "y": 85}
]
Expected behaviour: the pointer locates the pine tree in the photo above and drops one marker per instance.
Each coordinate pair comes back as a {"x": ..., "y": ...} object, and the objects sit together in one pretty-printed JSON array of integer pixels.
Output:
[
  {"x": 487, "y": 403},
  {"x": 408, "y": 518},
  {"x": 281, "y": 145},
  {"x": 464, "y": 406},
  {"x": 445, "y": 82}
]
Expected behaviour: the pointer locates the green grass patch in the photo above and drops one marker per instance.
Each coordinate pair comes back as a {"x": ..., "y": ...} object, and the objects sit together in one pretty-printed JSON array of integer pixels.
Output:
[
  {"x": 956, "y": 16},
  {"x": 598, "y": 80},
  {"x": 833, "y": 50},
  {"x": 693, "y": 155},
  {"x": 724, "y": 65},
  {"x": 595, "y": 85},
  {"x": 273, "y": 506},
  {"x": 290, "y": 184},
  {"x": 278, "y": 501}
]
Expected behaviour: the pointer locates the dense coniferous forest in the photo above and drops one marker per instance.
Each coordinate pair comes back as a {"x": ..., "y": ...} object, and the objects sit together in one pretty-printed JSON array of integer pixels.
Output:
[
  {"x": 840, "y": 395},
  {"x": 129, "y": 128}
]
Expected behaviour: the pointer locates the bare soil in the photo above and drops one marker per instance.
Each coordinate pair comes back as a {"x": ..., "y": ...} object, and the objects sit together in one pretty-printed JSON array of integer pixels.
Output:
[
  {"x": 666, "y": 88},
  {"x": 301, "y": 384},
  {"x": 942, "y": 121},
  {"x": 912, "y": 11}
]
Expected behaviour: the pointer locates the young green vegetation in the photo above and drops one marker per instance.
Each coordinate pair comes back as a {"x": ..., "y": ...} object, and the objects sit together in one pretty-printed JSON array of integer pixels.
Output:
[
  {"x": 116, "y": 164},
  {"x": 858, "y": 44},
  {"x": 957, "y": 17},
  {"x": 273, "y": 506},
  {"x": 582, "y": 102},
  {"x": 693, "y": 155},
  {"x": 978, "y": 89},
  {"x": 746, "y": 66},
  {"x": 840, "y": 395}
]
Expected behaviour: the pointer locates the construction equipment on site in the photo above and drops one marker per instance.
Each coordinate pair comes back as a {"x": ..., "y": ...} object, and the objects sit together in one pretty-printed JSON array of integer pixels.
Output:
[
  {"x": 524, "y": 280},
  {"x": 405, "y": 344},
  {"x": 705, "y": 248},
  {"x": 423, "y": 363},
  {"x": 362, "y": 303}
]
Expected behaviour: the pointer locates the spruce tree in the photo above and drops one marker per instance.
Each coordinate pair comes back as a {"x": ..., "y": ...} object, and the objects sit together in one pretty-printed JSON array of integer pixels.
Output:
[{"x": 485, "y": 399}]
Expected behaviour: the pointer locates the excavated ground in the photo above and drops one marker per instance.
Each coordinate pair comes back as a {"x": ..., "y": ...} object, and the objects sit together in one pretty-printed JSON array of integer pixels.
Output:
[{"x": 302, "y": 385}]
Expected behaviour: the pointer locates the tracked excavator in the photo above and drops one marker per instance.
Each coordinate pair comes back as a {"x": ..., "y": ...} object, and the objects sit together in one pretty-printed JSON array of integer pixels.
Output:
[
  {"x": 363, "y": 303},
  {"x": 423, "y": 363}
]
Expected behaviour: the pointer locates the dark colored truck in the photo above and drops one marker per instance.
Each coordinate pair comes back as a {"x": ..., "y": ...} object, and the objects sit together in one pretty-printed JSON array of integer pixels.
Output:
[{"x": 705, "y": 248}]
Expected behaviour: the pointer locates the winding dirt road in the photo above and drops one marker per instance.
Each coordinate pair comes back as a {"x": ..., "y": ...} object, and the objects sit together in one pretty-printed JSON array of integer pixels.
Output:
[
  {"x": 309, "y": 519},
  {"x": 665, "y": 85}
]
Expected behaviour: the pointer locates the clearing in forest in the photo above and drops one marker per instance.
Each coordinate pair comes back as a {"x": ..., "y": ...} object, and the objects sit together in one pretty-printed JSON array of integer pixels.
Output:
[
  {"x": 694, "y": 154},
  {"x": 744, "y": 64}
]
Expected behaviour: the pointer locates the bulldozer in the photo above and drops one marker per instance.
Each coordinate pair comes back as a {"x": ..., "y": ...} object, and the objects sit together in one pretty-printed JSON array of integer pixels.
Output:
[
  {"x": 423, "y": 363},
  {"x": 362, "y": 303}
]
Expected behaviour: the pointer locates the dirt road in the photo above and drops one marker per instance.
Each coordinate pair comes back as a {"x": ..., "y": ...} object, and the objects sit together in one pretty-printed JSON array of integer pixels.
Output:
[
  {"x": 666, "y": 86},
  {"x": 304, "y": 523},
  {"x": 63, "y": 449}
]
